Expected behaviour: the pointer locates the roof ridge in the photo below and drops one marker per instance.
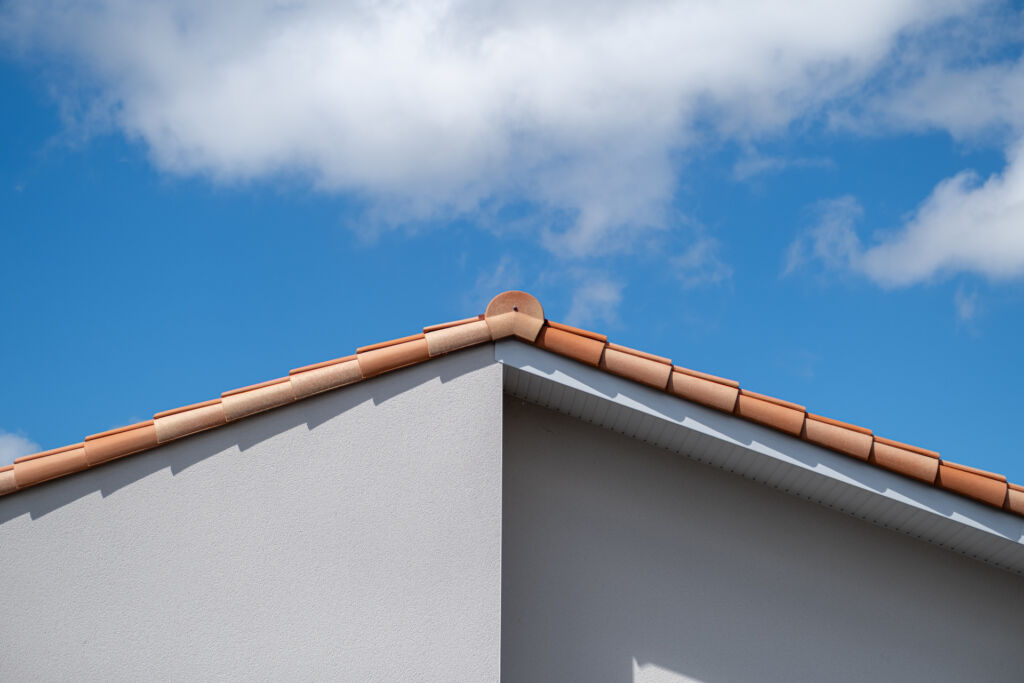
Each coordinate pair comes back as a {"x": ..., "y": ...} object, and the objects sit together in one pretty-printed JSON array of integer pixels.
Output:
[{"x": 518, "y": 314}]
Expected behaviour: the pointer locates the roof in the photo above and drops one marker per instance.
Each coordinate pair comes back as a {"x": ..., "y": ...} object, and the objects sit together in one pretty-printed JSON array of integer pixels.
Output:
[{"x": 519, "y": 315}]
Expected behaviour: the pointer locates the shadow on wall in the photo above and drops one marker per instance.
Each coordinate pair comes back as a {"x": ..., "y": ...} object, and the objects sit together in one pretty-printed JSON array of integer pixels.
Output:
[
  {"x": 622, "y": 561},
  {"x": 237, "y": 437}
]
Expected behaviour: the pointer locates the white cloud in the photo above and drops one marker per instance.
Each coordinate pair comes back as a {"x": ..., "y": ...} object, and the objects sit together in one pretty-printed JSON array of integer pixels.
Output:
[
  {"x": 967, "y": 86},
  {"x": 965, "y": 225},
  {"x": 14, "y": 446},
  {"x": 596, "y": 299},
  {"x": 584, "y": 109}
]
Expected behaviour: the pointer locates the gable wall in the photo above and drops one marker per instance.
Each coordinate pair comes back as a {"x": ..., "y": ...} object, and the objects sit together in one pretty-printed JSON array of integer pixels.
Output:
[
  {"x": 624, "y": 562},
  {"x": 351, "y": 536}
]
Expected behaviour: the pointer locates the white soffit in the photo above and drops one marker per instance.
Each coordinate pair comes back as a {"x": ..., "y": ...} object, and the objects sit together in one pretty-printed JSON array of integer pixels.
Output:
[{"x": 797, "y": 467}]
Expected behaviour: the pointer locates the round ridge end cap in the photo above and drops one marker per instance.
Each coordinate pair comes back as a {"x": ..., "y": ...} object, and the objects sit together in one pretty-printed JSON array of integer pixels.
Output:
[
  {"x": 514, "y": 312},
  {"x": 515, "y": 301}
]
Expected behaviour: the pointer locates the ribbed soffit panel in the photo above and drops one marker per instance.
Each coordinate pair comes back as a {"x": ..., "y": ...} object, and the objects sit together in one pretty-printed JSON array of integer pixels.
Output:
[{"x": 783, "y": 462}]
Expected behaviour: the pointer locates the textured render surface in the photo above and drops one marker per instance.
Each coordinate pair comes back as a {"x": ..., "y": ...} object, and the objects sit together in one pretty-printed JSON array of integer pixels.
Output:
[
  {"x": 353, "y": 536},
  {"x": 621, "y": 559}
]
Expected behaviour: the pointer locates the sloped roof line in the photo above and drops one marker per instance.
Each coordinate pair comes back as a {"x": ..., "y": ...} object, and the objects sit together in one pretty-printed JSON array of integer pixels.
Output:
[{"x": 518, "y": 314}]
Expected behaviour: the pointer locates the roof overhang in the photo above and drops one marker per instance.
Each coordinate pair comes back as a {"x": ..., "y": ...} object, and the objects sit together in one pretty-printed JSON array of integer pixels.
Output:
[{"x": 783, "y": 462}]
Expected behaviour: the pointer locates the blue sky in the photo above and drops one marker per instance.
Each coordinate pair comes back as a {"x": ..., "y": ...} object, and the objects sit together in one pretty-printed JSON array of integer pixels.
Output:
[{"x": 824, "y": 203}]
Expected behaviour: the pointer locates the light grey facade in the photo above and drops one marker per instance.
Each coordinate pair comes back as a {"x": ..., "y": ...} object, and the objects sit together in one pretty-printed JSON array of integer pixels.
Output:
[
  {"x": 423, "y": 526},
  {"x": 615, "y": 551},
  {"x": 353, "y": 536}
]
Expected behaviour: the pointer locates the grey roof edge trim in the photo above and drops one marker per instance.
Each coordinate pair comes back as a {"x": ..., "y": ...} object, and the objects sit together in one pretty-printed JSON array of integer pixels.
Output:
[{"x": 811, "y": 472}]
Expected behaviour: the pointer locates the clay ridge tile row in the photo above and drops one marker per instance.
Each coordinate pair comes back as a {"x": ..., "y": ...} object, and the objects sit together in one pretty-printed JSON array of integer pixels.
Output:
[
  {"x": 510, "y": 314},
  {"x": 792, "y": 418},
  {"x": 517, "y": 314}
]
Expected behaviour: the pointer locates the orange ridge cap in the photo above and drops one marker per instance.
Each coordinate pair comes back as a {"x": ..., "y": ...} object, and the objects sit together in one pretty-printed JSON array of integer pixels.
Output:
[
  {"x": 907, "y": 447},
  {"x": 52, "y": 451},
  {"x": 111, "y": 432},
  {"x": 252, "y": 387},
  {"x": 576, "y": 330},
  {"x": 324, "y": 364},
  {"x": 390, "y": 342},
  {"x": 639, "y": 354},
  {"x": 703, "y": 375},
  {"x": 839, "y": 423},
  {"x": 7, "y": 467},
  {"x": 454, "y": 323},
  {"x": 182, "y": 409},
  {"x": 973, "y": 470},
  {"x": 772, "y": 399}
]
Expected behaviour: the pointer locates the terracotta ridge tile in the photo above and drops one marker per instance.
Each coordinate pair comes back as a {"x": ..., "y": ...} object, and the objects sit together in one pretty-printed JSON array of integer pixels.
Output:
[
  {"x": 771, "y": 412},
  {"x": 198, "y": 417},
  {"x": 652, "y": 371},
  {"x": 576, "y": 330},
  {"x": 974, "y": 470},
  {"x": 399, "y": 353},
  {"x": 52, "y": 451},
  {"x": 975, "y": 484},
  {"x": 323, "y": 364},
  {"x": 112, "y": 432},
  {"x": 693, "y": 387},
  {"x": 6, "y": 467},
  {"x": 321, "y": 377},
  {"x": 640, "y": 354},
  {"x": 182, "y": 409},
  {"x": 442, "y": 340},
  {"x": 907, "y": 446},
  {"x": 256, "y": 398},
  {"x": 565, "y": 342},
  {"x": 838, "y": 436},
  {"x": 704, "y": 375},
  {"x": 56, "y": 464},
  {"x": 1014, "y": 503},
  {"x": 253, "y": 387},
  {"x": 117, "y": 443},
  {"x": 772, "y": 399},
  {"x": 839, "y": 423},
  {"x": 390, "y": 342},
  {"x": 454, "y": 323},
  {"x": 913, "y": 462}
]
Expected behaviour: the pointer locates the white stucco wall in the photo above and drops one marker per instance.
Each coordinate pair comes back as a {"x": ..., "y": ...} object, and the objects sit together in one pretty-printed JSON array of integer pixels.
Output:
[
  {"x": 354, "y": 536},
  {"x": 624, "y": 562}
]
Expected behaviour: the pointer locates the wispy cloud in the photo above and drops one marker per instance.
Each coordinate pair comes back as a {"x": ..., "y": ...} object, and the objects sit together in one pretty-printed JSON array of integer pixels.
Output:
[
  {"x": 755, "y": 165},
  {"x": 14, "y": 446},
  {"x": 700, "y": 264},
  {"x": 965, "y": 302},
  {"x": 831, "y": 241},
  {"x": 596, "y": 299},
  {"x": 586, "y": 110},
  {"x": 504, "y": 275}
]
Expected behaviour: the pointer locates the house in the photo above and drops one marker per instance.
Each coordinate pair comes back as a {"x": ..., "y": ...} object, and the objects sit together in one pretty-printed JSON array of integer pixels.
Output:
[{"x": 506, "y": 497}]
